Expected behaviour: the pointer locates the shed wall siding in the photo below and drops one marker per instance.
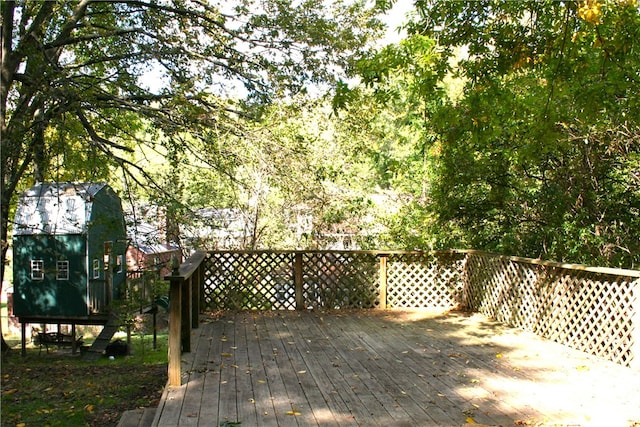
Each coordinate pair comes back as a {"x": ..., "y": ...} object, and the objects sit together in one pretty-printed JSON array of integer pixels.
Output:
[{"x": 50, "y": 296}]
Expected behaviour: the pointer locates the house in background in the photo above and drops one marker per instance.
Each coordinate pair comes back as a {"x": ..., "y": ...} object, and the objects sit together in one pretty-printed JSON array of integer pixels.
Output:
[
  {"x": 148, "y": 250},
  {"x": 69, "y": 243}
]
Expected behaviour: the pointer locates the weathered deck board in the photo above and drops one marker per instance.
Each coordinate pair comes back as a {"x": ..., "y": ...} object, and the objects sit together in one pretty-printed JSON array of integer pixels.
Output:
[{"x": 390, "y": 368}]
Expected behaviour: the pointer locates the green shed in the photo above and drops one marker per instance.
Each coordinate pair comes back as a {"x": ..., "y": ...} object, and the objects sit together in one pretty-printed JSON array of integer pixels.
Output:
[{"x": 69, "y": 245}]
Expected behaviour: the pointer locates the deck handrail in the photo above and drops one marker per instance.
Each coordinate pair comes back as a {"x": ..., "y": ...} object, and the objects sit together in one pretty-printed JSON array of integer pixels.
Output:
[
  {"x": 569, "y": 266},
  {"x": 592, "y": 309},
  {"x": 184, "y": 309}
]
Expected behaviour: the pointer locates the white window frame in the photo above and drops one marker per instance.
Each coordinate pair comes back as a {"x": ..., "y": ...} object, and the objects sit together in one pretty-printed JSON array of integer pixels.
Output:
[
  {"x": 62, "y": 267},
  {"x": 120, "y": 263},
  {"x": 108, "y": 249},
  {"x": 96, "y": 268},
  {"x": 37, "y": 269}
]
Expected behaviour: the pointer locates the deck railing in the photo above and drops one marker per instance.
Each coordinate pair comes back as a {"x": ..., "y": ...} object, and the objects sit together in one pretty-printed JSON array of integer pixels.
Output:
[{"x": 595, "y": 310}]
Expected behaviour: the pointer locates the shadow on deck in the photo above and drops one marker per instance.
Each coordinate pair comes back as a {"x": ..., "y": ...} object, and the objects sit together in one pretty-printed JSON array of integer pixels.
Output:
[{"x": 389, "y": 368}]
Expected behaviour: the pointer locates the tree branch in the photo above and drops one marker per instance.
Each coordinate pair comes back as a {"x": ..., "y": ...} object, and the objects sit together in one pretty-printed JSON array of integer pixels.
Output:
[{"x": 97, "y": 139}]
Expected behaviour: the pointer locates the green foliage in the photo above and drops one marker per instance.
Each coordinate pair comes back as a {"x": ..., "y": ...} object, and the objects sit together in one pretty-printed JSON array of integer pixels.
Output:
[
  {"x": 538, "y": 158},
  {"x": 92, "y": 87},
  {"x": 538, "y": 155}
]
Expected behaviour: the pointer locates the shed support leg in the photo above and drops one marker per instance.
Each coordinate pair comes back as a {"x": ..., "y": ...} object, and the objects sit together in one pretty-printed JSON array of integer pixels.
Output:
[
  {"x": 155, "y": 328},
  {"x": 74, "y": 345},
  {"x": 23, "y": 326}
]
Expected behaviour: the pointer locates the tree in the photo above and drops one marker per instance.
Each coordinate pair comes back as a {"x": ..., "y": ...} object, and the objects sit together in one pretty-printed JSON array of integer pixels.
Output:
[
  {"x": 293, "y": 177},
  {"x": 539, "y": 155},
  {"x": 389, "y": 114},
  {"x": 84, "y": 82}
]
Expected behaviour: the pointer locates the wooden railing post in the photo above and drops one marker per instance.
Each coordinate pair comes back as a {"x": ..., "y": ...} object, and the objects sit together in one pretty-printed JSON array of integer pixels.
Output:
[
  {"x": 203, "y": 295},
  {"x": 635, "y": 325},
  {"x": 184, "y": 309},
  {"x": 196, "y": 285},
  {"x": 175, "y": 328},
  {"x": 298, "y": 282},
  {"x": 186, "y": 315},
  {"x": 382, "y": 303}
]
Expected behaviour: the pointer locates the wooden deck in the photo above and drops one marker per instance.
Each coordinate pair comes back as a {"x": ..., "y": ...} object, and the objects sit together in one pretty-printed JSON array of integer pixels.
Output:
[{"x": 390, "y": 368}]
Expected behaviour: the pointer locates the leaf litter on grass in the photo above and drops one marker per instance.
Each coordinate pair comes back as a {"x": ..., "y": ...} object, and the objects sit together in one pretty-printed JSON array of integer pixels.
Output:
[{"x": 55, "y": 390}]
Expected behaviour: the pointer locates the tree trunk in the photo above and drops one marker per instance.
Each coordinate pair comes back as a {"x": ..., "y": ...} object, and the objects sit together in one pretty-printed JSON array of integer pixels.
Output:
[{"x": 4, "y": 223}]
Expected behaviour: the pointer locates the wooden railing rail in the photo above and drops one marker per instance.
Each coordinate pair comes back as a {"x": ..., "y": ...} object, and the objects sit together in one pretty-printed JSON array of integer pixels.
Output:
[
  {"x": 595, "y": 310},
  {"x": 184, "y": 308}
]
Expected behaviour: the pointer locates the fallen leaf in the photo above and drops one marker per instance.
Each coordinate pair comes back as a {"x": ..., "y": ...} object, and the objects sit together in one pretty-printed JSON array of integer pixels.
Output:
[
  {"x": 499, "y": 356},
  {"x": 470, "y": 420},
  {"x": 226, "y": 355},
  {"x": 89, "y": 408}
]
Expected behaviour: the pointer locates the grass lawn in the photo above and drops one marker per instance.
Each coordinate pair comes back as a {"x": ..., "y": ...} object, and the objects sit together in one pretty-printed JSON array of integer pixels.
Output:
[{"x": 60, "y": 389}]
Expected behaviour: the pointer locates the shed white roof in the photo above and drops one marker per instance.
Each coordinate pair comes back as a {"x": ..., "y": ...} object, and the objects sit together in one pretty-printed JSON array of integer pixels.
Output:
[{"x": 55, "y": 208}]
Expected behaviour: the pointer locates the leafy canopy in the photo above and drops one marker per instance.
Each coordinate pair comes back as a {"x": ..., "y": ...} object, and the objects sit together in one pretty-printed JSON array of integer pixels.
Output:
[
  {"x": 538, "y": 155},
  {"x": 86, "y": 83}
]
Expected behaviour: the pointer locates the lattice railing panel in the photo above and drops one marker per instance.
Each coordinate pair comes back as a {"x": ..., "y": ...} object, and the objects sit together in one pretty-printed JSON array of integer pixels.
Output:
[
  {"x": 253, "y": 280},
  {"x": 593, "y": 310},
  {"x": 423, "y": 280},
  {"x": 590, "y": 311},
  {"x": 340, "y": 280}
]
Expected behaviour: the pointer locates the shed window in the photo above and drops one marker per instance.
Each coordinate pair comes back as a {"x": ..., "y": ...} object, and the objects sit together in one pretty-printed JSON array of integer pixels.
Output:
[
  {"x": 62, "y": 270},
  {"x": 120, "y": 263},
  {"x": 96, "y": 268},
  {"x": 37, "y": 269},
  {"x": 107, "y": 254}
]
